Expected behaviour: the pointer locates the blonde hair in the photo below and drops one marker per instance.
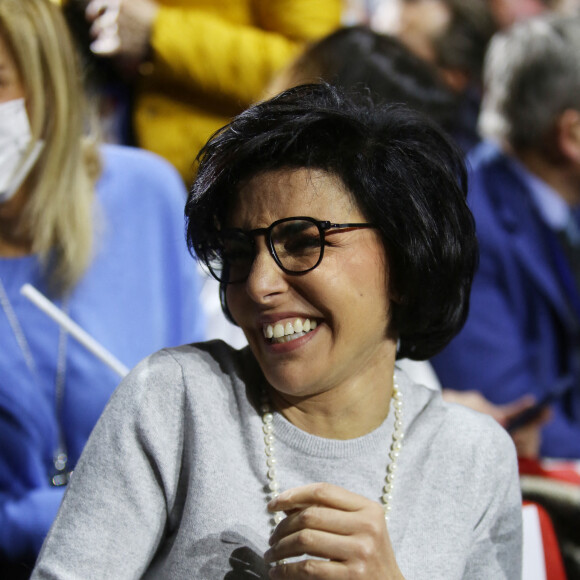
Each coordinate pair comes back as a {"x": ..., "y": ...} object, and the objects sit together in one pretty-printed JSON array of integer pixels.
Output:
[{"x": 58, "y": 215}]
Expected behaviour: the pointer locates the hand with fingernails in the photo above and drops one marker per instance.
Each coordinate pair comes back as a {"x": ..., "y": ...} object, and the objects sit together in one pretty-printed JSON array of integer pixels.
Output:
[{"x": 345, "y": 533}]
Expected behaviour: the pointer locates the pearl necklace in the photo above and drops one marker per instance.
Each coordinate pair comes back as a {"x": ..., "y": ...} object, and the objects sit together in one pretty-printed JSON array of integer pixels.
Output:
[{"x": 396, "y": 443}]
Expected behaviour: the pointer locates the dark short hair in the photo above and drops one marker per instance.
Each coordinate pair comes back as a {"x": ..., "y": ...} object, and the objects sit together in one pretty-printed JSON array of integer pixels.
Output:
[
  {"x": 405, "y": 175},
  {"x": 357, "y": 56}
]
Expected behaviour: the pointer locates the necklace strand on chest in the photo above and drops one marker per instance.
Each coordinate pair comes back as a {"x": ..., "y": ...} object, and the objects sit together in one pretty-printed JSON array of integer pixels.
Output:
[
  {"x": 396, "y": 443},
  {"x": 60, "y": 476}
]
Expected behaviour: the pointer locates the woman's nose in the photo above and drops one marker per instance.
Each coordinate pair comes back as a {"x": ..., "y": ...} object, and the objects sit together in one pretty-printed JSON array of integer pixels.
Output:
[{"x": 266, "y": 279}]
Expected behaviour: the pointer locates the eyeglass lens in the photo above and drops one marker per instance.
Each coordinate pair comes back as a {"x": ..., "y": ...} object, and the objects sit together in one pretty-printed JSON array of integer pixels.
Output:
[{"x": 297, "y": 246}]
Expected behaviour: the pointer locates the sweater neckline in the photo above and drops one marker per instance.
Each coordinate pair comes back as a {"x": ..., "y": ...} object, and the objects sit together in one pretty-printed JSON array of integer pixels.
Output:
[{"x": 322, "y": 447}]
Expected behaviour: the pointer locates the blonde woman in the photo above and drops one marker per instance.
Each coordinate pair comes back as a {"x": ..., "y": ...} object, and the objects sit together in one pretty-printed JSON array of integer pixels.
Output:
[{"x": 97, "y": 229}]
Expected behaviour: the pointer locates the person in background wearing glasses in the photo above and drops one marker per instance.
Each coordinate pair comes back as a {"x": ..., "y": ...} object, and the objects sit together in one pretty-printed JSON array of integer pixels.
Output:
[{"x": 341, "y": 239}]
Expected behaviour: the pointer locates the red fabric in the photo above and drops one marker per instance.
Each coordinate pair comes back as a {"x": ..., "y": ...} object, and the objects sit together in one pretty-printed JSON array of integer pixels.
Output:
[
  {"x": 552, "y": 556},
  {"x": 528, "y": 466}
]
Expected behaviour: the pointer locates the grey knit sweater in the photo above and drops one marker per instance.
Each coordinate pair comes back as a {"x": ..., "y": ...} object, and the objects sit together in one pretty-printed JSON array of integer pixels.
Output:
[{"x": 172, "y": 482}]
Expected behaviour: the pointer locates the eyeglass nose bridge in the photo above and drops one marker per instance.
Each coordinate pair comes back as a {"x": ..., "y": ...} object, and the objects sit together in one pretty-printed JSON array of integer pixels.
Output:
[{"x": 267, "y": 233}]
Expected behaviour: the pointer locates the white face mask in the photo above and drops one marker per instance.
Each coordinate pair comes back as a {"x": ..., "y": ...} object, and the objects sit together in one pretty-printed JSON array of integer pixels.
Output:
[{"x": 15, "y": 139}]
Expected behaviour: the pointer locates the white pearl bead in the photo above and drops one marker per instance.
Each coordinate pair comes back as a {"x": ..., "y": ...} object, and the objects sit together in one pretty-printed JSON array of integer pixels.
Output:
[{"x": 397, "y": 436}]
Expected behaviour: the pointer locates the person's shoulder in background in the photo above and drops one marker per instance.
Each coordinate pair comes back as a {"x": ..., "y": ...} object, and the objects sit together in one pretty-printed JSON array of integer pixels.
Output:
[{"x": 125, "y": 166}]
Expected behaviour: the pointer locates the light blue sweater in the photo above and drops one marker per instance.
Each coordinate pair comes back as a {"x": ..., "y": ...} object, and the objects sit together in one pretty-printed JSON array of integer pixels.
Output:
[{"x": 139, "y": 294}]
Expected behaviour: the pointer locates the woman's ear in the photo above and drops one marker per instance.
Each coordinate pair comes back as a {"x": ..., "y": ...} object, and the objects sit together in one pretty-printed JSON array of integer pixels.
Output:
[{"x": 569, "y": 135}]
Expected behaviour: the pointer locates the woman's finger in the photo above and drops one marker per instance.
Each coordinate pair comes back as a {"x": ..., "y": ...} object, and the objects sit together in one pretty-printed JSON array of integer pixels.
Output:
[
  {"x": 310, "y": 570},
  {"x": 107, "y": 42},
  {"x": 511, "y": 410},
  {"x": 309, "y": 542},
  {"x": 369, "y": 520},
  {"x": 98, "y": 8},
  {"x": 314, "y": 518},
  {"x": 320, "y": 494}
]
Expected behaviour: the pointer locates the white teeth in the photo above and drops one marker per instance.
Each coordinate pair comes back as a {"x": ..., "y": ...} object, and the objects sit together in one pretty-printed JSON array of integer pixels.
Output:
[
  {"x": 293, "y": 336},
  {"x": 290, "y": 331},
  {"x": 278, "y": 331}
]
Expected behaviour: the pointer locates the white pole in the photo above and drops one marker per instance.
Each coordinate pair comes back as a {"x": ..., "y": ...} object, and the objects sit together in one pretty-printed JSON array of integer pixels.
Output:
[{"x": 73, "y": 329}]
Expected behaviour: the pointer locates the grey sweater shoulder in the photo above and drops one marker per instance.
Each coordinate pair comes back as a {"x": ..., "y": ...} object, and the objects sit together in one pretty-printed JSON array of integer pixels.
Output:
[{"x": 172, "y": 483}]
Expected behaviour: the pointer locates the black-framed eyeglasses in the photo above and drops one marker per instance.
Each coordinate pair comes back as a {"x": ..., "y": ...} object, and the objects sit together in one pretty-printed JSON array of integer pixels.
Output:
[{"x": 295, "y": 243}]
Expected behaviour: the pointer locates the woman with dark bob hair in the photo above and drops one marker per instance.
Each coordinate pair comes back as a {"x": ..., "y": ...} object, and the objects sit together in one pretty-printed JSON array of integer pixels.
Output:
[{"x": 340, "y": 236}]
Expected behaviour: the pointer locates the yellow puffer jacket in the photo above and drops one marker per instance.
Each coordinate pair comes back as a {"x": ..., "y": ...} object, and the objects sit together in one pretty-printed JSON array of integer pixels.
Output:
[{"x": 213, "y": 58}]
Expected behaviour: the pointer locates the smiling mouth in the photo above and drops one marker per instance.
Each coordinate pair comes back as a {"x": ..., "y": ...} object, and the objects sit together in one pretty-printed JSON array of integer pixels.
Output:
[{"x": 278, "y": 333}]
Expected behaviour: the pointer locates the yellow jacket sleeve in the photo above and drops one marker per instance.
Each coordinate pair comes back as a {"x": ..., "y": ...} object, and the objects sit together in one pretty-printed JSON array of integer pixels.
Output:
[
  {"x": 213, "y": 58},
  {"x": 235, "y": 54}
]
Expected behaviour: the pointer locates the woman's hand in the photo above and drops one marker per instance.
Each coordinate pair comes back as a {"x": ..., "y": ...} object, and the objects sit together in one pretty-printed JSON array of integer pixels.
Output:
[
  {"x": 527, "y": 438},
  {"x": 326, "y": 521},
  {"x": 121, "y": 28},
  {"x": 476, "y": 401}
]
